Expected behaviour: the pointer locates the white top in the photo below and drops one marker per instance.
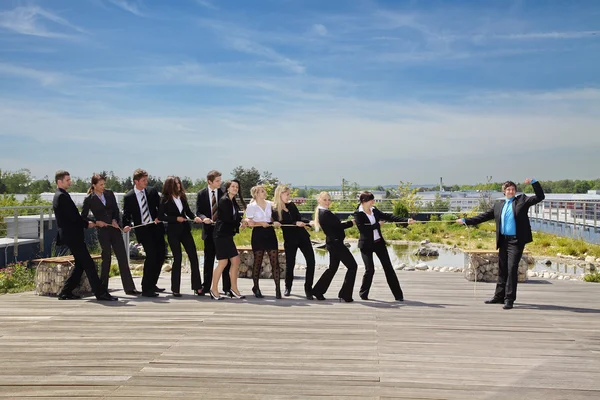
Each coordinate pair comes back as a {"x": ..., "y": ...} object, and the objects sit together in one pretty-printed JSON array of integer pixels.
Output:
[
  {"x": 376, "y": 235},
  {"x": 257, "y": 214},
  {"x": 178, "y": 203}
]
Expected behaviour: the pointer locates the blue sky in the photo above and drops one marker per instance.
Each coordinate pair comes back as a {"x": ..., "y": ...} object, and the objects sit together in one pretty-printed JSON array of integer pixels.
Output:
[{"x": 312, "y": 91}]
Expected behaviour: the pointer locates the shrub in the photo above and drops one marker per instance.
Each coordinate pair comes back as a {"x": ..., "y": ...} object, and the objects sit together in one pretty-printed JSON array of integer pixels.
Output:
[
  {"x": 434, "y": 217},
  {"x": 592, "y": 277},
  {"x": 449, "y": 217},
  {"x": 16, "y": 278},
  {"x": 400, "y": 209}
]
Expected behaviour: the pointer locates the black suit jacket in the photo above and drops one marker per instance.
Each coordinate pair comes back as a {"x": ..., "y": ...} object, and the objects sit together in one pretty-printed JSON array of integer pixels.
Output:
[
  {"x": 168, "y": 212},
  {"x": 228, "y": 217},
  {"x": 333, "y": 227},
  {"x": 105, "y": 213},
  {"x": 291, "y": 234},
  {"x": 203, "y": 209},
  {"x": 366, "y": 240},
  {"x": 69, "y": 221},
  {"x": 520, "y": 206},
  {"x": 133, "y": 214}
]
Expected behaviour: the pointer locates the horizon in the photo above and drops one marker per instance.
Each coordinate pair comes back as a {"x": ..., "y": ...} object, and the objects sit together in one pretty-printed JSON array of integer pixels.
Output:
[{"x": 309, "y": 90}]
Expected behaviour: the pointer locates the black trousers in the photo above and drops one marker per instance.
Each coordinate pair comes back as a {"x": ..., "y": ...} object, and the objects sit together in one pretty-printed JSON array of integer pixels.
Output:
[
  {"x": 111, "y": 240},
  {"x": 509, "y": 256},
  {"x": 209, "y": 265},
  {"x": 291, "y": 250},
  {"x": 176, "y": 240},
  {"x": 380, "y": 249},
  {"x": 338, "y": 252},
  {"x": 83, "y": 262},
  {"x": 154, "y": 246}
]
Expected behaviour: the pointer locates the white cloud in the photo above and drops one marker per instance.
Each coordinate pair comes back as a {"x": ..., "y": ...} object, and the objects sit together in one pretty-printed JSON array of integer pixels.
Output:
[
  {"x": 319, "y": 29},
  {"x": 43, "y": 77},
  {"x": 549, "y": 35},
  {"x": 207, "y": 4},
  {"x": 415, "y": 141},
  {"x": 128, "y": 6},
  {"x": 28, "y": 21},
  {"x": 251, "y": 47}
]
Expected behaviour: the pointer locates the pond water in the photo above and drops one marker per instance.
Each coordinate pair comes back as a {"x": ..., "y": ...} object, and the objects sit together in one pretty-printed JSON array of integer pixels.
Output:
[{"x": 404, "y": 253}]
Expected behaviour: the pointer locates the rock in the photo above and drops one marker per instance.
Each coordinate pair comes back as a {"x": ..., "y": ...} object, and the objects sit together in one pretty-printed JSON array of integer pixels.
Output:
[
  {"x": 401, "y": 267},
  {"x": 528, "y": 259},
  {"x": 166, "y": 268},
  {"x": 444, "y": 269},
  {"x": 553, "y": 276},
  {"x": 546, "y": 275},
  {"x": 590, "y": 259},
  {"x": 427, "y": 252},
  {"x": 424, "y": 242},
  {"x": 567, "y": 278},
  {"x": 532, "y": 274},
  {"x": 409, "y": 269},
  {"x": 547, "y": 262},
  {"x": 598, "y": 260},
  {"x": 561, "y": 277},
  {"x": 421, "y": 267}
]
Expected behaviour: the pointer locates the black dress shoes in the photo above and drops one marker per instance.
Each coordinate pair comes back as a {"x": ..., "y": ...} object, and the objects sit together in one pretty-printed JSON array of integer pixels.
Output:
[
  {"x": 68, "y": 296},
  {"x": 494, "y": 300},
  {"x": 199, "y": 292},
  {"x": 106, "y": 297},
  {"x": 508, "y": 304},
  {"x": 400, "y": 299},
  {"x": 364, "y": 297},
  {"x": 287, "y": 292},
  {"x": 157, "y": 289},
  {"x": 149, "y": 294},
  {"x": 319, "y": 296},
  {"x": 346, "y": 300},
  {"x": 133, "y": 292},
  {"x": 176, "y": 294}
]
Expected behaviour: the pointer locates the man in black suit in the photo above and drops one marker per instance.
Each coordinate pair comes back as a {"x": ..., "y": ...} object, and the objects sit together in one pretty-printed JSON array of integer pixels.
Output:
[
  {"x": 70, "y": 233},
  {"x": 140, "y": 206},
  {"x": 105, "y": 209},
  {"x": 513, "y": 232},
  {"x": 206, "y": 208}
]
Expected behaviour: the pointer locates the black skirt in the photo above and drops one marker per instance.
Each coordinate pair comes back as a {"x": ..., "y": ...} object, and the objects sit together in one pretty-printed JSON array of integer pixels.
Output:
[
  {"x": 264, "y": 239},
  {"x": 225, "y": 248}
]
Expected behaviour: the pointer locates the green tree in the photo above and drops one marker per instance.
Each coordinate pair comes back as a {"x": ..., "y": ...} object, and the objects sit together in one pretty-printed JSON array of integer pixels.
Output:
[
  {"x": 408, "y": 195},
  {"x": 438, "y": 204},
  {"x": 40, "y": 186},
  {"x": 16, "y": 182}
]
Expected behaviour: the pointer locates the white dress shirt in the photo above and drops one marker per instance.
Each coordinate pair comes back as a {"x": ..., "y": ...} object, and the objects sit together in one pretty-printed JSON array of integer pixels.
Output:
[
  {"x": 257, "y": 214},
  {"x": 372, "y": 221},
  {"x": 178, "y": 203}
]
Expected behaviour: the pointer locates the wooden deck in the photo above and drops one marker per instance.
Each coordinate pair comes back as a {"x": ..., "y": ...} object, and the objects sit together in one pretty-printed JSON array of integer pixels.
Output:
[{"x": 442, "y": 343}]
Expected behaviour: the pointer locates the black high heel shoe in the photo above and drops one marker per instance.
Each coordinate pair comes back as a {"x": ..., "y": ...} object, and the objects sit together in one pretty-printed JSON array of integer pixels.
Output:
[
  {"x": 212, "y": 296},
  {"x": 277, "y": 293},
  {"x": 199, "y": 293},
  {"x": 233, "y": 295},
  {"x": 257, "y": 293}
]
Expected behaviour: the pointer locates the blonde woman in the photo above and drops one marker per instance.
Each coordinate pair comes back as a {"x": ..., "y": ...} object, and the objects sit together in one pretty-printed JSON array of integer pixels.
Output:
[
  {"x": 295, "y": 237},
  {"x": 334, "y": 240},
  {"x": 260, "y": 216}
]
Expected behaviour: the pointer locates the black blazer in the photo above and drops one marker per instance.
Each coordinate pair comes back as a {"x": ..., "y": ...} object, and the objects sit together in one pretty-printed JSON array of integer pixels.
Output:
[
  {"x": 168, "y": 212},
  {"x": 228, "y": 217},
  {"x": 69, "y": 221},
  {"x": 133, "y": 214},
  {"x": 520, "y": 206},
  {"x": 366, "y": 241},
  {"x": 333, "y": 227},
  {"x": 105, "y": 213},
  {"x": 203, "y": 209},
  {"x": 291, "y": 235}
]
